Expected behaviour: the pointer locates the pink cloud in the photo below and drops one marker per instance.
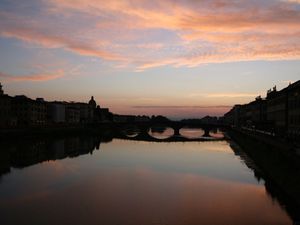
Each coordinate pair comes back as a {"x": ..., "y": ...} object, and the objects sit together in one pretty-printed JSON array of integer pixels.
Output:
[
  {"x": 33, "y": 32},
  {"x": 33, "y": 77},
  {"x": 150, "y": 34}
]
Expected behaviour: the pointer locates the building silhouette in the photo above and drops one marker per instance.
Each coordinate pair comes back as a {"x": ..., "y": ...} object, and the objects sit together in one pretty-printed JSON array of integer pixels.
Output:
[
  {"x": 5, "y": 109},
  {"x": 22, "y": 112},
  {"x": 93, "y": 103},
  {"x": 1, "y": 90},
  {"x": 278, "y": 113}
]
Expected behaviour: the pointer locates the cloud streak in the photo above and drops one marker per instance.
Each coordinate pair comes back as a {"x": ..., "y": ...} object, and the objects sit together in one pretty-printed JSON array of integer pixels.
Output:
[
  {"x": 13, "y": 26},
  {"x": 147, "y": 34},
  {"x": 33, "y": 77}
]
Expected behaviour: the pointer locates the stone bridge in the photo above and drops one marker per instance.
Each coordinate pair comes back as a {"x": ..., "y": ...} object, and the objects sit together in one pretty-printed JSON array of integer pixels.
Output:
[{"x": 143, "y": 129}]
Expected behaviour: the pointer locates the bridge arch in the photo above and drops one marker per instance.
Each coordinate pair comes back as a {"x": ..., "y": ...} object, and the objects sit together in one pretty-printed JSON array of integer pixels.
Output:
[
  {"x": 145, "y": 127},
  {"x": 191, "y": 132},
  {"x": 161, "y": 131}
]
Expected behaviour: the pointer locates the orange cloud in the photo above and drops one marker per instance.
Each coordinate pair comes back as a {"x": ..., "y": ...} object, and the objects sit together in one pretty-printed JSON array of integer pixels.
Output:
[
  {"x": 294, "y": 1},
  {"x": 150, "y": 34},
  {"x": 30, "y": 32},
  {"x": 33, "y": 77},
  {"x": 191, "y": 15}
]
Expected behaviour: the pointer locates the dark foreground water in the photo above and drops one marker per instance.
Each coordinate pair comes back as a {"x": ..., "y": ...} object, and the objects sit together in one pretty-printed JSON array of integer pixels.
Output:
[{"x": 70, "y": 181}]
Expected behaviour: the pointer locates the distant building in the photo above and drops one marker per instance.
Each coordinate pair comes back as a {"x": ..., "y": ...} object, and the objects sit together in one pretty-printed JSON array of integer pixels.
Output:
[
  {"x": 72, "y": 113},
  {"x": 29, "y": 112},
  {"x": 120, "y": 118},
  {"x": 86, "y": 112},
  {"x": 233, "y": 117},
  {"x": 99, "y": 114},
  {"x": 56, "y": 112},
  {"x": 254, "y": 114},
  {"x": 5, "y": 111},
  {"x": 142, "y": 118},
  {"x": 123, "y": 118},
  {"x": 93, "y": 103},
  {"x": 130, "y": 118},
  {"x": 1, "y": 90},
  {"x": 293, "y": 115},
  {"x": 279, "y": 113},
  {"x": 259, "y": 109},
  {"x": 209, "y": 120},
  {"x": 21, "y": 111},
  {"x": 6, "y": 117},
  {"x": 277, "y": 109},
  {"x": 40, "y": 111},
  {"x": 102, "y": 115}
]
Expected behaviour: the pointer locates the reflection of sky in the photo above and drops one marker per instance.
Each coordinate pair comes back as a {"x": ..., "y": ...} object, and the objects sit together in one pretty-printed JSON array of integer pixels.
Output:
[
  {"x": 206, "y": 159},
  {"x": 191, "y": 133},
  {"x": 137, "y": 182},
  {"x": 165, "y": 133},
  {"x": 179, "y": 58}
]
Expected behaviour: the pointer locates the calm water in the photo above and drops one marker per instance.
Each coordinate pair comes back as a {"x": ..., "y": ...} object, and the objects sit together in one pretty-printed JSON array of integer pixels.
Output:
[{"x": 123, "y": 182}]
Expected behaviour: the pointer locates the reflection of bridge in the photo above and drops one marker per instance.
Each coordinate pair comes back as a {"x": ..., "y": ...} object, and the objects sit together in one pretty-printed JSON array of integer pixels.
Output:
[{"x": 143, "y": 129}]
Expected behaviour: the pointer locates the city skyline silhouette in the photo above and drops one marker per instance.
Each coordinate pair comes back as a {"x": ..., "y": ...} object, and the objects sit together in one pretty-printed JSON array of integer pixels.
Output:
[
  {"x": 171, "y": 112},
  {"x": 182, "y": 59}
]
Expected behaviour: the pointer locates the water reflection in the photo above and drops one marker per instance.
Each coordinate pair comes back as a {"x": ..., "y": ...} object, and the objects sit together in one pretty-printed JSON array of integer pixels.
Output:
[
  {"x": 281, "y": 173},
  {"x": 131, "y": 182},
  {"x": 161, "y": 132},
  {"x": 23, "y": 153},
  {"x": 131, "y": 132},
  {"x": 216, "y": 133},
  {"x": 192, "y": 132}
]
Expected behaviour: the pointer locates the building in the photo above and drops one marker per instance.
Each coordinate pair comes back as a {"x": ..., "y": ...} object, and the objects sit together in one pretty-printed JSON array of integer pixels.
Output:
[
  {"x": 277, "y": 110},
  {"x": 255, "y": 113},
  {"x": 279, "y": 113},
  {"x": 21, "y": 111},
  {"x": 261, "y": 110},
  {"x": 56, "y": 112},
  {"x": 5, "y": 111},
  {"x": 6, "y": 118},
  {"x": 1, "y": 90},
  {"x": 293, "y": 111},
  {"x": 123, "y": 118},
  {"x": 29, "y": 112},
  {"x": 209, "y": 120},
  {"x": 102, "y": 115},
  {"x": 142, "y": 118},
  {"x": 72, "y": 113},
  {"x": 93, "y": 103},
  {"x": 233, "y": 117},
  {"x": 40, "y": 112},
  {"x": 86, "y": 112}
]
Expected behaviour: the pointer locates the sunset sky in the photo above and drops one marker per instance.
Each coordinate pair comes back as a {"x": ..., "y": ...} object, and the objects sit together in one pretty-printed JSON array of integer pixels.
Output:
[{"x": 184, "y": 58}]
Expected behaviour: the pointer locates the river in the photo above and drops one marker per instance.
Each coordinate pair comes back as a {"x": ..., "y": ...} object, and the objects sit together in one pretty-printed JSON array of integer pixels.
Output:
[{"x": 110, "y": 181}]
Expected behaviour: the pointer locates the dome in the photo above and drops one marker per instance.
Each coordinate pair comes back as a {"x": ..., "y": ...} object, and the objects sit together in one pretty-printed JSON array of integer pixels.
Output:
[{"x": 92, "y": 102}]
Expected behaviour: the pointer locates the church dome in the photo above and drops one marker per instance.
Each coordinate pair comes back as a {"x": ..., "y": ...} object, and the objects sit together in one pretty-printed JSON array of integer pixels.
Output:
[{"x": 92, "y": 102}]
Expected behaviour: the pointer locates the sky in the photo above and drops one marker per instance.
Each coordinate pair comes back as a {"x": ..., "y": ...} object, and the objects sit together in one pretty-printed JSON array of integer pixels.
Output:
[{"x": 179, "y": 58}]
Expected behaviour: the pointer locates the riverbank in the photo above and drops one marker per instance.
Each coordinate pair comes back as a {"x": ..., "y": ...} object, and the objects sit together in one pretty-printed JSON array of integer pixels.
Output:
[
  {"x": 277, "y": 164},
  {"x": 288, "y": 147},
  {"x": 53, "y": 131}
]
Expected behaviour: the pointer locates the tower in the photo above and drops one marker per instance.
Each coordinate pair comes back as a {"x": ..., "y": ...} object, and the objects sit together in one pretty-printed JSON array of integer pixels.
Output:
[{"x": 92, "y": 102}]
